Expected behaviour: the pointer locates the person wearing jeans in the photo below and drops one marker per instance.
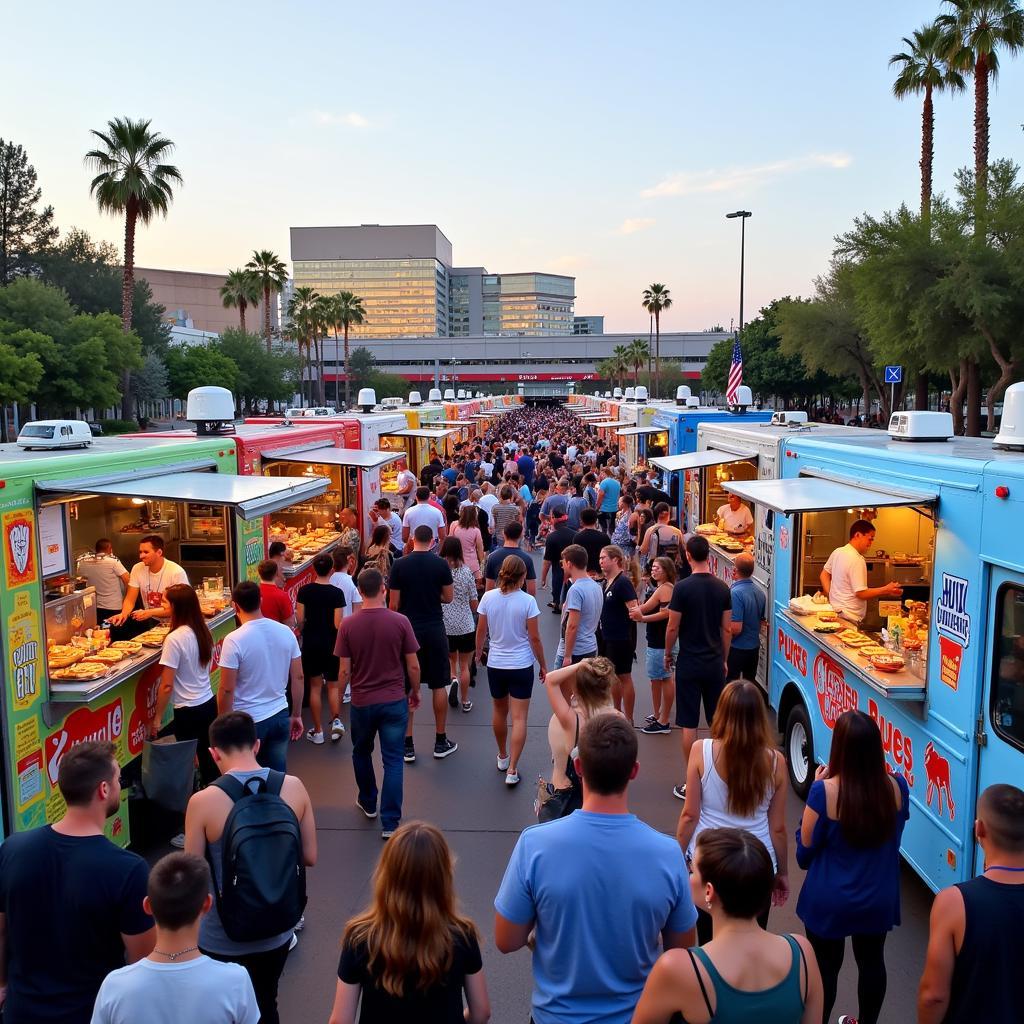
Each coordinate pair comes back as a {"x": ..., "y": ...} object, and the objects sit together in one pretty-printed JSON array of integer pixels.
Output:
[{"x": 377, "y": 651}]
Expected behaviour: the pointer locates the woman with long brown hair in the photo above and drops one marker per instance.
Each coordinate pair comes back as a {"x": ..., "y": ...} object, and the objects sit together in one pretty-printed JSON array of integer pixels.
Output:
[
  {"x": 654, "y": 612},
  {"x": 410, "y": 955},
  {"x": 185, "y": 680},
  {"x": 737, "y": 779},
  {"x": 849, "y": 844},
  {"x": 467, "y": 532}
]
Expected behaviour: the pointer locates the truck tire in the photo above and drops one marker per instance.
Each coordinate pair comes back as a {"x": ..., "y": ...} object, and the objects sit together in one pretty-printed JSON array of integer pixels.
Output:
[{"x": 799, "y": 748}]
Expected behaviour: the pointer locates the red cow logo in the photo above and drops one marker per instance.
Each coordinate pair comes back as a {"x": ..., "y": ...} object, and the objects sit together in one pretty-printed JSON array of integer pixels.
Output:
[{"x": 936, "y": 770}]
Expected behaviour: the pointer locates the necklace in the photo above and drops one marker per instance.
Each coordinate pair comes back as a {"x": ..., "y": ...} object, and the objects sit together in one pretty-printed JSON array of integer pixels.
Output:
[
  {"x": 1002, "y": 867},
  {"x": 174, "y": 956}
]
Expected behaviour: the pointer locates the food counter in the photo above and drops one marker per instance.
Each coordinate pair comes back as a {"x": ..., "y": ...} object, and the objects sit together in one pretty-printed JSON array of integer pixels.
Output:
[{"x": 898, "y": 675}]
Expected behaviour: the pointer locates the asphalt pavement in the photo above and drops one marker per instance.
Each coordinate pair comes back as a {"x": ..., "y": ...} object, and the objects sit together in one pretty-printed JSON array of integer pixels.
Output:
[{"x": 466, "y": 797}]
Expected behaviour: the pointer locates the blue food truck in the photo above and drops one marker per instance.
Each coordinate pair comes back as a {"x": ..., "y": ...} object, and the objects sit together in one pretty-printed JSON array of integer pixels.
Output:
[
  {"x": 681, "y": 420},
  {"x": 940, "y": 667}
]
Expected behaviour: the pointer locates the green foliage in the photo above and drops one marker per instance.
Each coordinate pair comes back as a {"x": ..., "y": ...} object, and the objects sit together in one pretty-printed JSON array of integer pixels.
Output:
[
  {"x": 194, "y": 366},
  {"x": 363, "y": 374},
  {"x": 25, "y": 230},
  {"x": 261, "y": 375},
  {"x": 152, "y": 383},
  {"x": 119, "y": 426},
  {"x": 21, "y": 370}
]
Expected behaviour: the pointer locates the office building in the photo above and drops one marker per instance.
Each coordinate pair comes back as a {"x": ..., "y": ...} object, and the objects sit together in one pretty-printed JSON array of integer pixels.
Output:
[
  {"x": 588, "y": 325},
  {"x": 193, "y": 300}
]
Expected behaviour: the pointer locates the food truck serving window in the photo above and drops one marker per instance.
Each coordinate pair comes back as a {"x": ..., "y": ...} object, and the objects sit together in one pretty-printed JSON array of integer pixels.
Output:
[
  {"x": 354, "y": 458},
  {"x": 1007, "y": 706}
]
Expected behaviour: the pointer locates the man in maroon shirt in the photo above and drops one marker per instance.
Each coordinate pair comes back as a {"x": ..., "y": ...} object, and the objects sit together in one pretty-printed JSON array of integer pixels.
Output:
[
  {"x": 378, "y": 649},
  {"x": 274, "y": 602}
]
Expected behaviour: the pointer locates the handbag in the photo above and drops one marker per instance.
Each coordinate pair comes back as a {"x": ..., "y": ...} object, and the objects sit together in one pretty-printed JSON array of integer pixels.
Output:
[{"x": 168, "y": 772}]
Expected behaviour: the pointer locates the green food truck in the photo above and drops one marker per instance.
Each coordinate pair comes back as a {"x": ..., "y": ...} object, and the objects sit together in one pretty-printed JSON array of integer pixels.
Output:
[{"x": 63, "y": 682}]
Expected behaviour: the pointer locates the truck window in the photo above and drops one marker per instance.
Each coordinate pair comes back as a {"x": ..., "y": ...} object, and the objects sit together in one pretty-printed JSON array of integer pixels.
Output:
[{"x": 1007, "y": 707}]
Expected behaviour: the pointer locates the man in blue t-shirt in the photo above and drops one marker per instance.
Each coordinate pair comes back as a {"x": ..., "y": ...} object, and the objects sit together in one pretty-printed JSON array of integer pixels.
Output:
[
  {"x": 748, "y": 612},
  {"x": 527, "y": 467},
  {"x": 592, "y": 955},
  {"x": 607, "y": 500}
]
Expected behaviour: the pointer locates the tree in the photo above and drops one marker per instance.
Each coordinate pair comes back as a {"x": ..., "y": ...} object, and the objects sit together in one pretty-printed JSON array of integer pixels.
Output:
[
  {"x": 152, "y": 384},
  {"x": 261, "y": 375},
  {"x": 272, "y": 275},
  {"x": 239, "y": 291},
  {"x": 347, "y": 309},
  {"x": 21, "y": 370},
  {"x": 638, "y": 353},
  {"x": 193, "y": 366},
  {"x": 303, "y": 317},
  {"x": 132, "y": 180},
  {"x": 359, "y": 367},
  {"x": 656, "y": 299},
  {"x": 25, "y": 230},
  {"x": 923, "y": 68}
]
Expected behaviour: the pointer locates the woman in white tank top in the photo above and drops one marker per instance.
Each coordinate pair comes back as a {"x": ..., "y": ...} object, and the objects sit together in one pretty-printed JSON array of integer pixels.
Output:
[{"x": 737, "y": 779}]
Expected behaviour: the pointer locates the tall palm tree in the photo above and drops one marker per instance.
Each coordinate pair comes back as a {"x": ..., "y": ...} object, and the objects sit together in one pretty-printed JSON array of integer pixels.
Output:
[
  {"x": 348, "y": 310},
  {"x": 638, "y": 353},
  {"x": 324, "y": 310},
  {"x": 240, "y": 291},
  {"x": 657, "y": 298},
  {"x": 272, "y": 275},
  {"x": 621, "y": 361},
  {"x": 131, "y": 179},
  {"x": 924, "y": 68},
  {"x": 302, "y": 313}
]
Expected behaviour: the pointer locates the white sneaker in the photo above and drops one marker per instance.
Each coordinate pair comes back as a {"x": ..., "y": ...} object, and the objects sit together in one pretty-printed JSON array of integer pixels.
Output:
[
  {"x": 512, "y": 779},
  {"x": 315, "y": 737},
  {"x": 503, "y": 763},
  {"x": 347, "y": 698},
  {"x": 178, "y": 842},
  {"x": 337, "y": 730}
]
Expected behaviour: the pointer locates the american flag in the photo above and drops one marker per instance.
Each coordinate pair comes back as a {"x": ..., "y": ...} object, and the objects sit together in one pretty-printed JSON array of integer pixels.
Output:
[{"x": 735, "y": 372}]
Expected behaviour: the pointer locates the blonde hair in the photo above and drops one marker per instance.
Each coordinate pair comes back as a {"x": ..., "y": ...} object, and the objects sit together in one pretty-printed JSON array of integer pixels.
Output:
[
  {"x": 593, "y": 686},
  {"x": 511, "y": 574},
  {"x": 409, "y": 927}
]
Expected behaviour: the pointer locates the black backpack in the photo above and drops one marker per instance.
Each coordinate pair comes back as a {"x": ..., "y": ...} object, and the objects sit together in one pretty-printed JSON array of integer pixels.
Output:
[
  {"x": 263, "y": 877},
  {"x": 669, "y": 550}
]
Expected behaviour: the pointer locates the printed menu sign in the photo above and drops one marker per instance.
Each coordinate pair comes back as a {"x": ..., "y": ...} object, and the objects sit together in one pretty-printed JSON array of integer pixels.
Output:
[{"x": 53, "y": 544}]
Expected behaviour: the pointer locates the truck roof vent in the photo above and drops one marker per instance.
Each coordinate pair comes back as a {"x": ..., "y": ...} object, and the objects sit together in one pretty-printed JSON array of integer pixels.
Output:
[
  {"x": 392, "y": 403},
  {"x": 449, "y": 394},
  {"x": 211, "y": 409},
  {"x": 742, "y": 400},
  {"x": 921, "y": 426},
  {"x": 367, "y": 399},
  {"x": 415, "y": 398},
  {"x": 788, "y": 416},
  {"x": 693, "y": 402},
  {"x": 1011, "y": 427},
  {"x": 682, "y": 394},
  {"x": 616, "y": 393},
  {"x": 640, "y": 395},
  {"x": 434, "y": 395},
  {"x": 629, "y": 394}
]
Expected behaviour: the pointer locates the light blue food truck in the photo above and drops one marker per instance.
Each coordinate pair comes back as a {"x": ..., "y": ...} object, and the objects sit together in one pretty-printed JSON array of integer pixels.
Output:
[{"x": 940, "y": 667}]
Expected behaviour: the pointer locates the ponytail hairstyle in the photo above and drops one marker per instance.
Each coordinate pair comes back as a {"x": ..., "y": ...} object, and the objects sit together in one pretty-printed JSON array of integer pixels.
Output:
[{"x": 511, "y": 574}]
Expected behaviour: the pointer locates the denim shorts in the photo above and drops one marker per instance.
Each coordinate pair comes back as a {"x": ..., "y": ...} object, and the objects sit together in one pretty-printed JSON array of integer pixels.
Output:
[{"x": 656, "y": 663}]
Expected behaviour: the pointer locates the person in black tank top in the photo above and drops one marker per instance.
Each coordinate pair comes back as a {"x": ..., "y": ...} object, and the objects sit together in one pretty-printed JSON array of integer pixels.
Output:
[{"x": 976, "y": 944}]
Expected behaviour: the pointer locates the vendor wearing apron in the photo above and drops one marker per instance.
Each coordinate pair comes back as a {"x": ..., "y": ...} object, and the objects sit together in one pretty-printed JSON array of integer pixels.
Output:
[
  {"x": 149, "y": 578},
  {"x": 735, "y": 517},
  {"x": 845, "y": 576}
]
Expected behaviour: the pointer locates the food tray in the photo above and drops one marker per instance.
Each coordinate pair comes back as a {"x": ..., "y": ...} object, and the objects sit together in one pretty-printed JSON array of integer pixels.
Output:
[
  {"x": 106, "y": 657},
  {"x": 128, "y": 646}
]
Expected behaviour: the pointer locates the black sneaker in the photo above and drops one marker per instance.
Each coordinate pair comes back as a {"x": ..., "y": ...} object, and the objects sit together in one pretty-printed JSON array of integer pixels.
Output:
[
  {"x": 410, "y": 752},
  {"x": 453, "y": 694},
  {"x": 679, "y": 792},
  {"x": 442, "y": 748},
  {"x": 656, "y": 728},
  {"x": 650, "y": 719}
]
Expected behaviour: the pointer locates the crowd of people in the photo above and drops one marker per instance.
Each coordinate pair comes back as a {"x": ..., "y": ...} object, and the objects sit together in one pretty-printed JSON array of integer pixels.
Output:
[{"x": 445, "y": 591}]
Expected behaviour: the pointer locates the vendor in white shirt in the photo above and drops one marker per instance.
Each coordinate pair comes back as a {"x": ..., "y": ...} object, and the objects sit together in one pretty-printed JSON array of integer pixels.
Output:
[
  {"x": 735, "y": 518},
  {"x": 149, "y": 579},
  {"x": 845, "y": 576}
]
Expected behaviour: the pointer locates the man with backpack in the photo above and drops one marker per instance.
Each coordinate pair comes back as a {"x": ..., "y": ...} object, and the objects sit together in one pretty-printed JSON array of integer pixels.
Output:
[
  {"x": 261, "y": 823},
  {"x": 665, "y": 541}
]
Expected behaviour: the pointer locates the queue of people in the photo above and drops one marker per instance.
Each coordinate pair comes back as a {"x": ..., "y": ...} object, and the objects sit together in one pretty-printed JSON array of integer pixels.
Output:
[{"x": 446, "y": 589}]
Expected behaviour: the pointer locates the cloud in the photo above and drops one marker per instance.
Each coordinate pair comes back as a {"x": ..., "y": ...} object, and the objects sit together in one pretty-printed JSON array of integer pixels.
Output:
[
  {"x": 735, "y": 178},
  {"x": 631, "y": 225},
  {"x": 350, "y": 120}
]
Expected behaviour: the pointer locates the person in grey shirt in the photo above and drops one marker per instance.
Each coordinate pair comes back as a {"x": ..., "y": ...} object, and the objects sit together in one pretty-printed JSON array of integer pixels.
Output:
[{"x": 581, "y": 612}]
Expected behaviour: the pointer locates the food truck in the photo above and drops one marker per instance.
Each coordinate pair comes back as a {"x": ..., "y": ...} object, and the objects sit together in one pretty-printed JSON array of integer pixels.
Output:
[
  {"x": 940, "y": 668},
  {"x": 64, "y": 681},
  {"x": 682, "y": 419}
]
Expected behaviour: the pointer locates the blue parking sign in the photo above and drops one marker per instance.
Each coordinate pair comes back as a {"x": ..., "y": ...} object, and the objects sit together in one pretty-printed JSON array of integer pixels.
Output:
[{"x": 894, "y": 375}]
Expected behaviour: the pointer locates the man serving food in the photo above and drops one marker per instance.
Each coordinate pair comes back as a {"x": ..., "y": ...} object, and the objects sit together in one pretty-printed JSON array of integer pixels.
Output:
[
  {"x": 734, "y": 517},
  {"x": 845, "y": 576},
  {"x": 150, "y": 577}
]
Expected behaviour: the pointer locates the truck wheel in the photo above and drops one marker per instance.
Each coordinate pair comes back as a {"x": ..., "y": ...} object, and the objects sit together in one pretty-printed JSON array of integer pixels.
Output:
[{"x": 799, "y": 747}]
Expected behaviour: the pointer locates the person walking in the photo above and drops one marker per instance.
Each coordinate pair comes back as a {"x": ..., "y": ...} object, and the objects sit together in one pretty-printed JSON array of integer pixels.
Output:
[
  {"x": 748, "y": 612},
  {"x": 411, "y": 955},
  {"x": 234, "y": 739},
  {"x": 592, "y": 540},
  {"x": 377, "y": 654},
  {"x": 423, "y": 513},
  {"x": 318, "y": 609},
  {"x": 467, "y": 532},
  {"x": 176, "y": 982},
  {"x": 70, "y": 900},
  {"x": 975, "y": 942},
  {"x": 508, "y": 616},
  {"x": 744, "y": 973},
  {"x": 607, "y": 502},
  {"x": 505, "y": 512},
  {"x": 591, "y": 953},
  {"x": 558, "y": 539},
  {"x": 380, "y": 551},
  {"x": 663, "y": 539},
  {"x": 459, "y": 623},
  {"x": 654, "y": 614},
  {"x": 700, "y": 617},
  {"x": 496, "y": 559},
  {"x": 617, "y": 641},
  {"x": 420, "y": 584},
  {"x": 255, "y": 660},
  {"x": 737, "y": 779},
  {"x": 849, "y": 843},
  {"x": 581, "y": 613}
]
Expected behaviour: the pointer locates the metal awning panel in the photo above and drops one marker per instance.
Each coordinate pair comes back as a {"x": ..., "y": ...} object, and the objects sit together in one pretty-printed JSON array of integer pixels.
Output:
[
  {"x": 639, "y": 431},
  {"x": 607, "y": 424},
  {"x": 250, "y": 496},
  {"x": 433, "y": 435},
  {"x": 814, "y": 494},
  {"x": 354, "y": 458},
  {"x": 699, "y": 460}
]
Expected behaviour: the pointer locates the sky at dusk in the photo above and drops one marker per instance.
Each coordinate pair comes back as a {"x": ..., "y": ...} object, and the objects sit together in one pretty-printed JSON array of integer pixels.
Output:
[{"x": 600, "y": 139}]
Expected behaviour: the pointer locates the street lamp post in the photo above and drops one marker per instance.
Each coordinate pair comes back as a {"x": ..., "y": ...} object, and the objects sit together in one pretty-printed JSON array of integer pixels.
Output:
[{"x": 743, "y": 215}]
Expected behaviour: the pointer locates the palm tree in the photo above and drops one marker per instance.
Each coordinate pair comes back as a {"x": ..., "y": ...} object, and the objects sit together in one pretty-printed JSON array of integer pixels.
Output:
[
  {"x": 131, "y": 179},
  {"x": 324, "y": 311},
  {"x": 240, "y": 291},
  {"x": 348, "y": 310},
  {"x": 272, "y": 275},
  {"x": 924, "y": 68},
  {"x": 622, "y": 362},
  {"x": 638, "y": 352},
  {"x": 656, "y": 298},
  {"x": 302, "y": 312}
]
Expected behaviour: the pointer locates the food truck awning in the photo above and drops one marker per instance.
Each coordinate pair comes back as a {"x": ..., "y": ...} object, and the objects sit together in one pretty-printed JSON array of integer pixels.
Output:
[
  {"x": 420, "y": 432},
  {"x": 611, "y": 423},
  {"x": 814, "y": 494},
  {"x": 698, "y": 460},
  {"x": 351, "y": 457},
  {"x": 637, "y": 431},
  {"x": 250, "y": 496},
  {"x": 482, "y": 416}
]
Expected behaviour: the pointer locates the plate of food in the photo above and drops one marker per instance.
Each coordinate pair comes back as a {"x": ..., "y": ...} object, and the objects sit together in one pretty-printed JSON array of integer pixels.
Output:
[
  {"x": 83, "y": 672},
  {"x": 153, "y": 637},
  {"x": 106, "y": 656},
  {"x": 62, "y": 655},
  {"x": 128, "y": 646},
  {"x": 888, "y": 662},
  {"x": 872, "y": 651},
  {"x": 707, "y": 529},
  {"x": 827, "y": 627},
  {"x": 828, "y": 616},
  {"x": 912, "y": 643}
]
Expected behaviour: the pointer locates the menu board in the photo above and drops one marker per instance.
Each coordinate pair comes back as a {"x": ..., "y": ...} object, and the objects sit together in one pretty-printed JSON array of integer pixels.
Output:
[{"x": 53, "y": 540}]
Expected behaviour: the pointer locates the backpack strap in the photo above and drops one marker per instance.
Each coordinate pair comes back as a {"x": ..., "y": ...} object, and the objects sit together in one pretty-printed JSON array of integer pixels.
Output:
[
  {"x": 700, "y": 981},
  {"x": 275, "y": 780},
  {"x": 232, "y": 787}
]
